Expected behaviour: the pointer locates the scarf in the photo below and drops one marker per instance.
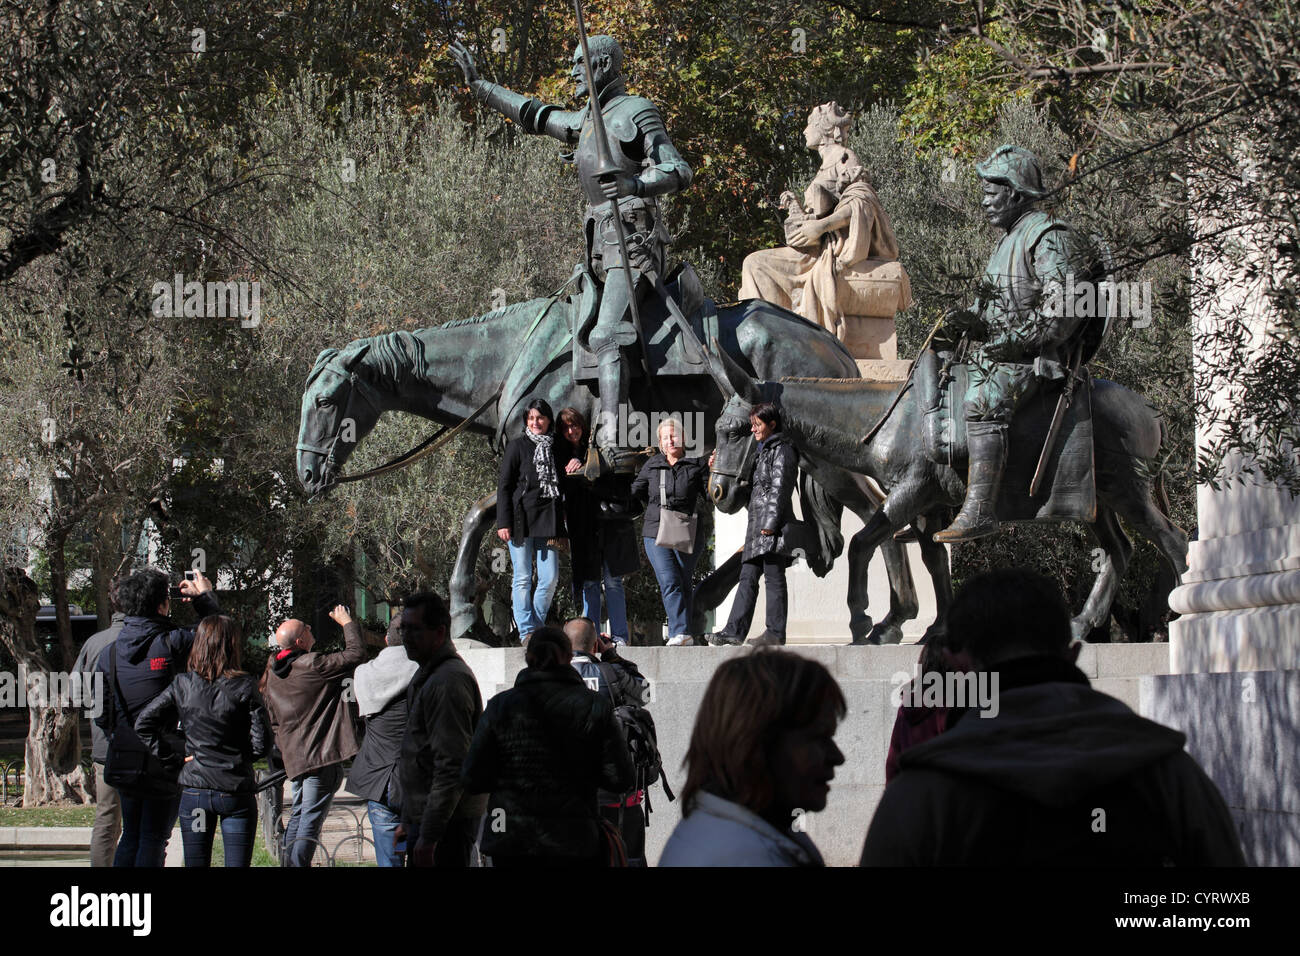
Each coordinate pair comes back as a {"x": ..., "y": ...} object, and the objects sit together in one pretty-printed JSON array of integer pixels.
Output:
[{"x": 544, "y": 462}]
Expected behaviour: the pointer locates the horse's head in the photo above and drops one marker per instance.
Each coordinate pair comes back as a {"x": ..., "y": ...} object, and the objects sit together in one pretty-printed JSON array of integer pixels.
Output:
[
  {"x": 736, "y": 449},
  {"x": 338, "y": 409}
]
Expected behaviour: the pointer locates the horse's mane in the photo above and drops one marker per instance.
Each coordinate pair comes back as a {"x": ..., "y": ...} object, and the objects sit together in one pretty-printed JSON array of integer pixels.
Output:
[{"x": 500, "y": 313}]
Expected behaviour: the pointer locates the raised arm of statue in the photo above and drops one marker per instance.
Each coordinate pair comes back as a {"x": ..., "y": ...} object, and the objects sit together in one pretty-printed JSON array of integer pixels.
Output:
[{"x": 532, "y": 115}]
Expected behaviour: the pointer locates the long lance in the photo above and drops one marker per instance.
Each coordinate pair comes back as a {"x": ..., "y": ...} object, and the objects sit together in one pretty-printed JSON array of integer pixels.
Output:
[{"x": 606, "y": 170}]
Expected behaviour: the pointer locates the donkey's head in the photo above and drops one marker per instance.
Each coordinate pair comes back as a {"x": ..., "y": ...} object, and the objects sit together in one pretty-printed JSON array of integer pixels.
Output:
[{"x": 339, "y": 408}]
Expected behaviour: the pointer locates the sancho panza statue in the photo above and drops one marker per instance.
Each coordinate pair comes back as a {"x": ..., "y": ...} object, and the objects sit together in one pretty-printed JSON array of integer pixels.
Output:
[
  {"x": 840, "y": 257},
  {"x": 651, "y": 167},
  {"x": 1020, "y": 334}
]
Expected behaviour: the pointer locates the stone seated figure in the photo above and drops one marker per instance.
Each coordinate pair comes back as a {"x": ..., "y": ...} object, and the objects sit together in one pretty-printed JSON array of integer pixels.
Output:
[{"x": 839, "y": 267}]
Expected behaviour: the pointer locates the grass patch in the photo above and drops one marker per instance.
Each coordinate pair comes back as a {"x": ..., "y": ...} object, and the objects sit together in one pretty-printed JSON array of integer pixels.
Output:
[{"x": 47, "y": 816}]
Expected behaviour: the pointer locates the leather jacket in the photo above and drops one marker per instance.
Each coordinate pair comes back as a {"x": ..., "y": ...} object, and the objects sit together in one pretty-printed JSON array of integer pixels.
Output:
[{"x": 225, "y": 727}]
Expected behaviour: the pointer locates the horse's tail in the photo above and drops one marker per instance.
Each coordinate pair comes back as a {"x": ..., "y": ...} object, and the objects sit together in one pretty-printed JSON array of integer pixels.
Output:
[{"x": 825, "y": 513}]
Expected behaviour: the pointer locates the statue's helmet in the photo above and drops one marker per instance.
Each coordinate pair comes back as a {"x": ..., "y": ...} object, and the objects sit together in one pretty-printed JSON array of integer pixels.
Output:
[{"x": 1015, "y": 167}]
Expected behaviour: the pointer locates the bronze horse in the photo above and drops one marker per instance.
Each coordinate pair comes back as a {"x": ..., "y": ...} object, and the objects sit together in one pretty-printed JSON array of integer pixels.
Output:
[
  {"x": 827, "y": 419},
  {"x": 450, "y": 372}
]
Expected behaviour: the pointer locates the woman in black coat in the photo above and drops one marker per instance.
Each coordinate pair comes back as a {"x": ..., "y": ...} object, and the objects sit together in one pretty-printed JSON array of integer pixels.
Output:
[
  {"x": 226, "y": 728},
  {"x": 530, "y": 514},
  {"x": 767, "y": 549},
  {"x": 602, "y": 538},
  {"x": 679, "y": 481},
  {"x": 542, "y": 751}
]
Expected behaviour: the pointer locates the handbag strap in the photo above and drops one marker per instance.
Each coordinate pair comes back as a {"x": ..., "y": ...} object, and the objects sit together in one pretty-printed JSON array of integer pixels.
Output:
[{"x": 663, "y": 488}]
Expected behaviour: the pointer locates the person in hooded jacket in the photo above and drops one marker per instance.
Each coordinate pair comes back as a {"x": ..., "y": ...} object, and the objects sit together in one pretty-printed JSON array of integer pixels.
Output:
[
  {"x": 530, "y": 514},
  {"x": 767, "y": 546},
  {"x": 226, "y": 729},
  {"x": 148, "y": 653},
  {"x": 1056, "y": 773},
  {"x": 380, "y": 688},
  {"x": 542, "y": 752}
]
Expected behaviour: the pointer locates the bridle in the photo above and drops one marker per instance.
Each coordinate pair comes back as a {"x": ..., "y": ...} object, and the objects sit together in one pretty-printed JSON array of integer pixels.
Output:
[{"x": 737, "y": 473}]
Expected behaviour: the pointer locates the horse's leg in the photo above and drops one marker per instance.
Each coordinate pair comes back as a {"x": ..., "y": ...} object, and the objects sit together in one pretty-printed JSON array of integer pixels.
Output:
[
  {"x": 713, "y": 589},
  {"x": 935, "y": 558},
  {"x": 466, "y": 618},
  {"x": 1117, "y": 550}
]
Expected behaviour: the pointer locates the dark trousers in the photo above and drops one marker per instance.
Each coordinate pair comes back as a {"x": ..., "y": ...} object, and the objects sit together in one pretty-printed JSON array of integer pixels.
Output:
[
  {"x": 454, "y": 849},
  {"x": 772, "y": 568},
  {"x": 201, "y": 810},
  {"x": 146, "y": 826}
]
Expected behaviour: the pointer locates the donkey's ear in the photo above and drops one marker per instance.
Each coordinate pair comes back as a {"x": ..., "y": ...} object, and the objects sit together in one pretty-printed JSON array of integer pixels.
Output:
[
  {"x": 322, "y": 360},
  {"x": 741, "y": 382},
  {"x": 355, "y": 358},
  {"x": 719, "y": 372}
]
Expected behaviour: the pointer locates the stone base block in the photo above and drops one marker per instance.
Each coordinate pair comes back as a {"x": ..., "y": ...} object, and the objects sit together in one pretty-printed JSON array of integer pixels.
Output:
[{"x": 1242, "y": 729}]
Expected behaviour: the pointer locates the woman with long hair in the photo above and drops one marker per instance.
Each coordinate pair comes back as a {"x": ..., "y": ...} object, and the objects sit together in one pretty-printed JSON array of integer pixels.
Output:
[
  {"x": 602, "y": 539},
  {"x": 530, "y": 514},
  {"x": 225, "y": 725},
  {"x": 762, "y": 754}
]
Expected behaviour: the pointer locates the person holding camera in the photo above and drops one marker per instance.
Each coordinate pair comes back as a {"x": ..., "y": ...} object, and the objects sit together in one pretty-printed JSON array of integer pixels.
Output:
[
  {"x": 313, "y": 729},
  {"x": 225, "y": 728},
  {"x": 149, "y": 651}
]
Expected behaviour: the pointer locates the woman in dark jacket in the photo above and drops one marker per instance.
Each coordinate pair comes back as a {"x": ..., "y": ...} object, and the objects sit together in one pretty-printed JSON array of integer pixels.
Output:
[
  {"x": 683, "y": 480},
  {"x": 542, "y": 750},
  {"x": 530, "y": 514},
  {"x": 226, "y": 728},
  {"x": 767, "y": 549},
  {"x": 602, "y": 539}
]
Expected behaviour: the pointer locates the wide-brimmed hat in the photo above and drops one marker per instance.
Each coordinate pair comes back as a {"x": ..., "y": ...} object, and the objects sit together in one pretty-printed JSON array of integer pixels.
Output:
[{"x": 1016, "y": 167}]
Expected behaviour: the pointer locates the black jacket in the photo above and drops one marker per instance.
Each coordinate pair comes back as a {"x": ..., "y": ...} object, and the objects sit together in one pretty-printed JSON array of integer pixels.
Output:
[
  {"x": 443, "y": 707},
  {"x": 685, "y": 484},
  {"x": 542, "y": 750},
  {"x": 150, "y": 652},
  {"x": 374, "y": 771},
  {"x": 598, "y": 516},
  {"x": 775, "y": 473},
  {"x": 225, "y": 727},
  {"x": 520, "y": 505}
]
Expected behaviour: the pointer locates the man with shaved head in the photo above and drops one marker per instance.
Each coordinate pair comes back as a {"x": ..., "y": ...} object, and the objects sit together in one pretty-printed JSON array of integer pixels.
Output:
[{"x": 309, "y": 714}]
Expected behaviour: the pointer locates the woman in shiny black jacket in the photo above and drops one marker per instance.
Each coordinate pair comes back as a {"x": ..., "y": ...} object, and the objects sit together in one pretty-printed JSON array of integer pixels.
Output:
[
  {"x": 225, "y": 726},
  {"x": 767, "y": 548}
]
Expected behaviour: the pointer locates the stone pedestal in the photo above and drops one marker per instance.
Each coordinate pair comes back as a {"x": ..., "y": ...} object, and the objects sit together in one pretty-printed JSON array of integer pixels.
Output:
[{"x": 870, "y": 337}]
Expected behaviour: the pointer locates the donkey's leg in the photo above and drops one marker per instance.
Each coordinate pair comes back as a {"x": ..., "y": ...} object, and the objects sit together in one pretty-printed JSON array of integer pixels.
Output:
[
  {"x": 713, "y": 589},
  {"x": 466, "y": 617},
  {"x": 1117, "y": 549},
  {"x": 900, "y": 507}
]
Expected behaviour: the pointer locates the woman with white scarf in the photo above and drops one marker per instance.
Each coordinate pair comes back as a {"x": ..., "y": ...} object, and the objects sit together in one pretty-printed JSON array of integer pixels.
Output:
[{"x": 530, "y": 514}]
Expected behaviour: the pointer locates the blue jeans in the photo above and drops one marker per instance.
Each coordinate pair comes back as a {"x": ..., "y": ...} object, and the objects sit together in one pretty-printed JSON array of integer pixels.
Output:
[
  {"x": 200, "y": 811},
  {"x": 146, "y": 826},
  {"x": 531, "y": 606},
  {"x": 383, "y": 828},
  {"x": 615, "y": 603},
  {"x": 673, "y": 571},
  {"x": 312, "y": 796}
]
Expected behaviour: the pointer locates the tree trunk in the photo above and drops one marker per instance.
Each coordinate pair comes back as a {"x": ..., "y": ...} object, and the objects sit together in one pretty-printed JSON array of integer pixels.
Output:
[
  {"x": 58, "y": 555},
  {"x": 108, "y": 549},
  {"x": 53, "y": 749}
]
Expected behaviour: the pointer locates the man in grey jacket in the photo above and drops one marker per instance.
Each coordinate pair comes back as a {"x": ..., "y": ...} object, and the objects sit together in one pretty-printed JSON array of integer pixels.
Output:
[
  {"x": 108, "y": 806},
  {"x": 439, "y": 819}
]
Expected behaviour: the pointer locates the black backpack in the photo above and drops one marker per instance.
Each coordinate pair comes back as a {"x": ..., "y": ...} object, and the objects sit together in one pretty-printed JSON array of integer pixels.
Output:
[{"x": 639, "y": 731}]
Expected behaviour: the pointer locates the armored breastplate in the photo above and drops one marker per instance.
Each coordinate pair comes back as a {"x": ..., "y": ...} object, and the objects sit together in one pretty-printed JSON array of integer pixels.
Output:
[{"x": 620, "y": 129}]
